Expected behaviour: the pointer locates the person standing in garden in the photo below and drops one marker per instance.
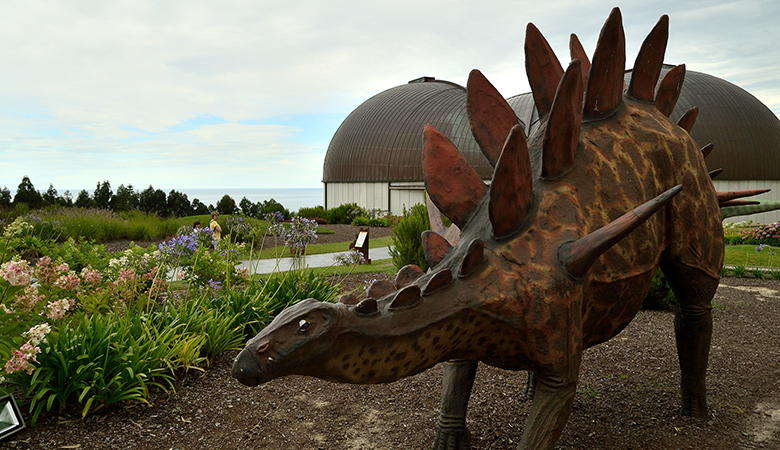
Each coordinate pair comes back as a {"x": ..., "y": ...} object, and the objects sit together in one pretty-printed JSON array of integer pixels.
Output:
[{"x": 216, "y": 230}]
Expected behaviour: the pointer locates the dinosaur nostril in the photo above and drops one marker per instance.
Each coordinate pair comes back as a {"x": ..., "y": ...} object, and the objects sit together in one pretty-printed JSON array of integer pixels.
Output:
[{"x": 263, "y": 347}]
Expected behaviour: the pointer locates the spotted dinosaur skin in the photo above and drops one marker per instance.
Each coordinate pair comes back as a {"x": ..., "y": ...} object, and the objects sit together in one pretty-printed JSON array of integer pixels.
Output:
[{"x": 548, "y": 262}]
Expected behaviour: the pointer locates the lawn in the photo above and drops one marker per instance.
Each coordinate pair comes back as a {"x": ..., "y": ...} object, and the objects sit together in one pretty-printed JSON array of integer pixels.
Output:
[
  {"x": 313, "y": 249},
  {"x": 747, "y": 255}
]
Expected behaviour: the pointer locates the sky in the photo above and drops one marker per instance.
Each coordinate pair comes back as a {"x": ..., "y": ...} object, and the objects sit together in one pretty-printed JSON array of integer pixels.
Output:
[{"x": 247, "y": 94}]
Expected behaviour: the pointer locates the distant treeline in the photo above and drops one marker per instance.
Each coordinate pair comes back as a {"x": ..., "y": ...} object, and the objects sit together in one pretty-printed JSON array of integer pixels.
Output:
[{"x": 126, "y": 198}]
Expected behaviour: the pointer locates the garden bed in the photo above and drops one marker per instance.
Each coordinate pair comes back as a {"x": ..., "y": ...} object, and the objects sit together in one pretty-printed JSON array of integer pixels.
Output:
[{"x": 628, "y": 397}]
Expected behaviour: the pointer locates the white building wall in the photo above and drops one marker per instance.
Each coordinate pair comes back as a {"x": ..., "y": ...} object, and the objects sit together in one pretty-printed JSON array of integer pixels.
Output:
[
  {"x": 771, "y": 196},
  {"x": 367, "y": 195},
  {"x": 405, "y": 198}
]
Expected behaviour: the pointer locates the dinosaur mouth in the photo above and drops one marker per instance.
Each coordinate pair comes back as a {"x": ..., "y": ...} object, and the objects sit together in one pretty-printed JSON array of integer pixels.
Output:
[{"x": 246, "y": 371}]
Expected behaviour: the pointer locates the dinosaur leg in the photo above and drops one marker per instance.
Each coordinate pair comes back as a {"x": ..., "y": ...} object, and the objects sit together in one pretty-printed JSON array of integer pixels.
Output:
[
  {"x": 530, "y": 386},
  {"x": 693, "y": 331},
  {"x": 456, "y": 390},
  {"x": 553, "y": 397}
]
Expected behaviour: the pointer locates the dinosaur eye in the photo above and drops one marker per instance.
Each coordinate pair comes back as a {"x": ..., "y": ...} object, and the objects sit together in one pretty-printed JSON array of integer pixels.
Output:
[{"x": 303, "y": 325}]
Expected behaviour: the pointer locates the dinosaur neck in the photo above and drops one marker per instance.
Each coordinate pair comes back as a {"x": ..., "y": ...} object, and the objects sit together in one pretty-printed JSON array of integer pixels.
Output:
[{"x": 368, "y": 354}]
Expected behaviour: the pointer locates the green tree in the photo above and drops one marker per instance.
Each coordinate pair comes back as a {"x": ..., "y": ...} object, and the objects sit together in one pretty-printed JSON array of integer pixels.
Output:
[
  {"x": 198, "y": 207},
  {"x": 5, "y": 198},
  {"x": 226, "y": 205},
  {"x": 27, "y": 194},
  {"x": 84, "y": 200},
  {"x": 103, "y": 194},
  {"x": 152, "y": 201},
  {"x": 246, "y": 206},
  {"x": 178, "y": 204},
  {"x": 269, "y": 206},
  {"x": 67, "y": 199},
  {"x": 125, "y": 199},
  {"x": 50, "y": 197},
  {"x": 407, "y": 241}
]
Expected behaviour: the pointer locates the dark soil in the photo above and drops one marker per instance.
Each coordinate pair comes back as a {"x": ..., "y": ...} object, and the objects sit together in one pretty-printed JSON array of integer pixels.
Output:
[{"x": 627, "y": 398}]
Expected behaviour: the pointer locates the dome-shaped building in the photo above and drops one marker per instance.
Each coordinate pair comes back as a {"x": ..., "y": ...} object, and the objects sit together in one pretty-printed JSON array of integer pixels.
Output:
[{"x": 374, "y": 158}]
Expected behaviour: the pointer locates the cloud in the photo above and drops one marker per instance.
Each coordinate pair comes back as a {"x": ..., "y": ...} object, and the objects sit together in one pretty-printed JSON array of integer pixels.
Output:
[{"x": 94, "y": 90}]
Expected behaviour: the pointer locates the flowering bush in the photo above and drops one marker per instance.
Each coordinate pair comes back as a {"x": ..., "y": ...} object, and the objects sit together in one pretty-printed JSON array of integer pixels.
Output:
[
  {"x": 350, "y": 258},
  {"x": 299, "y": 233},
  {"x": 764, "y": 234},
  {"x": 239, "y": 229}
]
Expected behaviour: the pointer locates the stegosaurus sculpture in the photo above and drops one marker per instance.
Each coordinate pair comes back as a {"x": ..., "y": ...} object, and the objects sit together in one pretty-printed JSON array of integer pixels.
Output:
[{"x": 548, "y": 262}]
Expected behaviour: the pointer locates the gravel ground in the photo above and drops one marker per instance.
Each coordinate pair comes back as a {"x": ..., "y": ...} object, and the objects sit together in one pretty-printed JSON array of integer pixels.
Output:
[{"x": 627, "y": 398}]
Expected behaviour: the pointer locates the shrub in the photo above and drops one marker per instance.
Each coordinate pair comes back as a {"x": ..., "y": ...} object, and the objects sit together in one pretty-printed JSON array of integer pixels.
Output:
[
  {"x": 764, "y": 234},
  {"x": 299, "y": 233},
  {"x": 315, "y": 212},
  {"x": 345, "y": 213},
  {"x": 364, "y": 221},
  {"x": 407, "y": 244},
  {"x": 271, "y": 206},
  {"x": 660, "y": 295}
]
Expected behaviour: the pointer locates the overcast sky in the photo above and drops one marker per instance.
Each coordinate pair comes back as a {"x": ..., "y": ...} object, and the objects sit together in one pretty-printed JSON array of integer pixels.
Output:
[{"x": 248, "y": 93}]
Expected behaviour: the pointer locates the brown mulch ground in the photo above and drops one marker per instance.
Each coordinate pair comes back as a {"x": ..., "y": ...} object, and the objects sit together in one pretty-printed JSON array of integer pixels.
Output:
[{"x": 627, "y": 398}]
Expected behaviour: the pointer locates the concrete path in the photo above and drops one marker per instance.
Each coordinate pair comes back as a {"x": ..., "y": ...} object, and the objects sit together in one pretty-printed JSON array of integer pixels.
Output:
[{"x": 322, "y": 260}]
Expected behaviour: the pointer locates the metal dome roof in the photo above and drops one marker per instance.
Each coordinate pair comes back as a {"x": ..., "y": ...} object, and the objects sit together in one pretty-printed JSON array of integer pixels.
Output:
[
  {"x": 382, "y": 139},
  {"x": 745, "y": 132}
]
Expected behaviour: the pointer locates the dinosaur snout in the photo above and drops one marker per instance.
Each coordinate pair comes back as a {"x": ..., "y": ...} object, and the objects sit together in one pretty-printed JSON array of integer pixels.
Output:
[{"x": 245, "y": 369}]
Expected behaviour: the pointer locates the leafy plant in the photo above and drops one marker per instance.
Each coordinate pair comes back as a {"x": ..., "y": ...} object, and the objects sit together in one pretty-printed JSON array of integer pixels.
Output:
[
  {"x": 345, "y": 213},
  {"x": 739, "y": 271},
  {"x": 660, "y": 295},
  {"x": 407, "y": 243}
]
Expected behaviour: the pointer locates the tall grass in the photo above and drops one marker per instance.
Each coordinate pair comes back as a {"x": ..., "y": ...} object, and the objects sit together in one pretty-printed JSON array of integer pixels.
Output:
[{"x": 102, "y": 225}]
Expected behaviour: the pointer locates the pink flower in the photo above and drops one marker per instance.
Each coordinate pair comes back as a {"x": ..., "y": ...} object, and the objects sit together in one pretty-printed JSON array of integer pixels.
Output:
[
  {"x": 68, "y": 281},
  {"x": 20, "y": 359},
  {"x": 57, "y": 309},
  {"x": 37, "y": 334},
  {"x": 45, "y": 271},
  {"x": 126, "y": 276},
  {"x": 17, "y": 273},
  {"x": 29, "y": 299},
  {"x": 91, "y": 275}
]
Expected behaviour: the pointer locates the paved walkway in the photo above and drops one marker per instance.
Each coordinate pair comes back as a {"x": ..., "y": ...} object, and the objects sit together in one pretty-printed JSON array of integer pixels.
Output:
[{"x": 321, "y": 260}]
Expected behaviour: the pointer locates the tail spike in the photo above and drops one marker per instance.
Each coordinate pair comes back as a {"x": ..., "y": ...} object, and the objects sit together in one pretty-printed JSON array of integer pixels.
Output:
[
  {"x": 511, "y": 192},
  {"x": 688, "y": 119},
  {"x": 649, "y": 61},
  {"x": 490, "y": 115},
  {"x": 578, "y": 52},
  {"x": 714, "y": 173},
  {"x": 605, "y": 81},
  {"x": 731, "y": 195},
  {"x": 473, "y": 257},
  {"x": 438, "y": 280},
  {"x": 576, "y": 257},
  {"x": 562, "y": 133},
  {"x": 407, "y": 275},
  {"x": 669, "y": 90},
  {"x": 543, "y": 69},
  {"x": 367, "y": 306},
  {"x": 739, "y": 203},
  {"x": 435, "y": 247},
  {"x": 406, "y": 297},
  {"x": 451, "y": 182},
  {"x": 744, "y": 210},
  {"x": 707, "y": 149},
  {"x": 380, "y": 288}
]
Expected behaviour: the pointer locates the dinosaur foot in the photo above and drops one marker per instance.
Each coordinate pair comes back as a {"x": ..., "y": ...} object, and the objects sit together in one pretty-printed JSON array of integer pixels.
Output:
[{"x": 452, "y": 440}]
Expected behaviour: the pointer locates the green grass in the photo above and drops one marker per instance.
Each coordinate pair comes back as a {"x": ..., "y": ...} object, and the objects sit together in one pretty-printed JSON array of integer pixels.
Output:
[
  {"x": 746, "y": 255},
  {"x": 313, "y": 249},
  {"x": 376, "y": 266}
]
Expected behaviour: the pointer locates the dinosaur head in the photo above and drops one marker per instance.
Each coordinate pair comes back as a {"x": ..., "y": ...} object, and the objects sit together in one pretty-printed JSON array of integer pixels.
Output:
[{"x": 289, "y": 345}]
